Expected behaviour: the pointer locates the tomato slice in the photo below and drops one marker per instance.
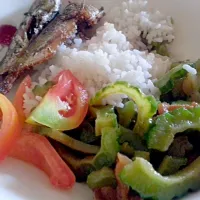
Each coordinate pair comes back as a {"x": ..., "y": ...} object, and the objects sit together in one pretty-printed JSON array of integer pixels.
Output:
[
  {"x": 10, "y": 127},
  {"x": 65, "y": 105},
  {"x": 19, "y": 99},
  {"x": 37, "y": 150}
]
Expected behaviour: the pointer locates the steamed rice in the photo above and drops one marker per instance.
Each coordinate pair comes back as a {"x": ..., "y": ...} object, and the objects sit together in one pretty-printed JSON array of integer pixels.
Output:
[
  {"x": 137, "y": 22},
  {"x": 112, "y": 55}
]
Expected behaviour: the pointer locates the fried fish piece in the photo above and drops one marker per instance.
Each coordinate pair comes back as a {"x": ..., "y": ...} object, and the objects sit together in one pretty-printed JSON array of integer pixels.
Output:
[{"x": 65, "y": 26}]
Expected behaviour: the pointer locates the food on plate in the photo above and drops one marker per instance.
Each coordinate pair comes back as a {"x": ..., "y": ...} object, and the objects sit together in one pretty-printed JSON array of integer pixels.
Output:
[
  {"x": 162, "y": 133},
  {"x": 150, "y": 184},
  {"x": 68, "y": 141},
  {"x": 146, "y": 105},
  {"x": 113, "y": 110},
  {"x": 19, "y": 99},
  {"x": 10, "y": 126},
  {"x": 66, "y": 104},
  {"x": 35, "y": 20},
  {"x": 170, "y": 165},
  {"x": 122, "y": 189},
  {"x": 101, "y": 178},
  {"x": 41, "y": 33},
  {"x": 37, "y": 150}
]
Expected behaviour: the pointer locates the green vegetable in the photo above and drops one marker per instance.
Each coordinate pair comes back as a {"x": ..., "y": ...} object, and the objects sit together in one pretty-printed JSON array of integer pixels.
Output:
[
  {"x": 134, "y": 140},
  {"x": 87, "y": 133},
  {"x": 171, "y": 165},
  {"x": 82, "y": 167},
  {"x": 105, "y": 118},
  {"x": 180, "y": 147},
  {"x": 142, "y": 178},
  {"x": 94, "y": 110},
  {"x": 102, "y": 178},
  {"x": 109, "y": 148},
  {"x": 127, "y": 149},
  {"x": 127, "y": 114},
  {"x": 42, "y": 90},
  {"x": 146, "y": 105},
  {"x": 69, "y": 141},
  {"x": 64, "y": 106},
  {"x": 160, "y": 48},
  {"x": 168, "y": 81},
  {"x": 162, "y": 133},
  {"x": 142, "y": 154}
]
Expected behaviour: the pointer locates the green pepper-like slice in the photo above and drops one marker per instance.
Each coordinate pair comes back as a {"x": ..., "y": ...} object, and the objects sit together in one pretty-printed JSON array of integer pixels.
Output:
[
  {"x": 105, "y": 117},
  {"x": 146, "y": 105},
  {"x": 109, "y": 148},
  {"x": 142, "y": 178},
  {"x": 102, "y": 178},
  {"x": 161, "y": 135},
  {"x": 167, "y": 82}
]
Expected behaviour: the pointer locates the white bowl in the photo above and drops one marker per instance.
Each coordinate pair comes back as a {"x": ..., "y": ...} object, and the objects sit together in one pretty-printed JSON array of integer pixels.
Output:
[{"x": 20, "y": 181}]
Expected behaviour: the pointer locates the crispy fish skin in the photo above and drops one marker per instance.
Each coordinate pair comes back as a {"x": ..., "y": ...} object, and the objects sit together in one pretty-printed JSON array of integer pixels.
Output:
[
  {"x": 40, "y": 14},
  {"x": 64, "y": 26}
]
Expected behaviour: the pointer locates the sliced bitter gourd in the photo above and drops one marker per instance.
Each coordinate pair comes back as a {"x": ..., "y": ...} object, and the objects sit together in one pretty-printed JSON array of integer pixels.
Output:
[
  {"x": 167, "y": 83},
  {"x": 106, "y": 117},
  {"x": 109, "y": 148},
  {"x": 102, "y": 178},
  {"x": 142, "y": 178},
  {"x": 162, "y": 133},
  {"x": 146, "y": 105}
]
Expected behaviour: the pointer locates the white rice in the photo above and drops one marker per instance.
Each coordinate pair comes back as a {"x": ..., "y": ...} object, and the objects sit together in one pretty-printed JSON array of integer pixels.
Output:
[
  {"x": 135, "y": 20},
  {"x": 109, "y": 56}
]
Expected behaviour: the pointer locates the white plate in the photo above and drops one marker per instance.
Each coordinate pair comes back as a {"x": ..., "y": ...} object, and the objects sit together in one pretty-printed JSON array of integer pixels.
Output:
[{"x": 20, "y": 181}]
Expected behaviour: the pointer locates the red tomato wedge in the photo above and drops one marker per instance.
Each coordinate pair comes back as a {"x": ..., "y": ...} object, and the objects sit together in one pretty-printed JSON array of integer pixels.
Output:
[
  {"x": 10, "y": 127},
  {"x": 19, "y": 99},
  {"x": 37, "y": 150},
  {"x": 64, "y": 106}
]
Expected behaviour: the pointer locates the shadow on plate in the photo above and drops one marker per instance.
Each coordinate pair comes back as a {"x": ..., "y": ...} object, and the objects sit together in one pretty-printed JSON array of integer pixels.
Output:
[{"x": 22, "y": 182}]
